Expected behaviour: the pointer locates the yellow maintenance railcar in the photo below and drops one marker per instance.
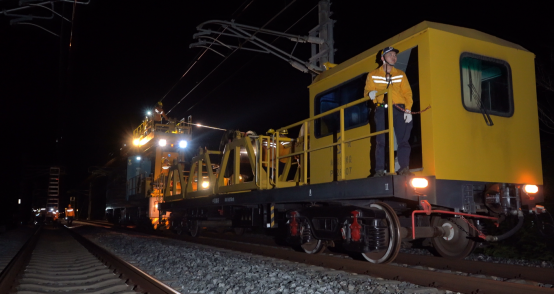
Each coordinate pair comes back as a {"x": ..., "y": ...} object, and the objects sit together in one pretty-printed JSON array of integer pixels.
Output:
[{"x": 475, "y": 155}]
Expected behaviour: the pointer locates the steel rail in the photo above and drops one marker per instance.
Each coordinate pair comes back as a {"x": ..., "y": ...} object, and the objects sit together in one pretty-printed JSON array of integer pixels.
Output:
[
  {"x": 14, "y": 270},
  {"x": 143, "y": 281},
  {"x": 508, "y": 271}
]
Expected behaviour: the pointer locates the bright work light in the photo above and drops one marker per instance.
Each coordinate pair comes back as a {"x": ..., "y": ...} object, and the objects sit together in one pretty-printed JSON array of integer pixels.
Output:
[
  {"x": 531, "y": 188},
  {"x": 419, "y": 182},
  {"x": 183, "y": 144},
  {"x": 162, "y": 142},
  {"x": 205, "y": 184},
  {"x": 138, "y": 158}
]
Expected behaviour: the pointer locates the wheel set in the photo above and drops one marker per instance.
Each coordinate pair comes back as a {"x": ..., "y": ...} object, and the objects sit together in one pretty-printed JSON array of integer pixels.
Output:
[{"x": 454, "y": 242}]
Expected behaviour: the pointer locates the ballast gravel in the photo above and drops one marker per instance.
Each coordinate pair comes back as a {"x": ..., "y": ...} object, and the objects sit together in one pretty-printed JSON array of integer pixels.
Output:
[
  {"x": 11, "y": 242},
  {"x": 192, "y": 268}
]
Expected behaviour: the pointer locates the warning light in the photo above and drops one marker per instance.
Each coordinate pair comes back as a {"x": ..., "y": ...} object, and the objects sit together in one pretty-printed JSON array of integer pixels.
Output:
[
  {"x": 531, "y": 188},
  {"x": 419, "y": 182}
]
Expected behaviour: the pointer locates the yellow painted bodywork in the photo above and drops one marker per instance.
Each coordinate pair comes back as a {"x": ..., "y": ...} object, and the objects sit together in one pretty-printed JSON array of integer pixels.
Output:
[{"x": 456, "y": 143}]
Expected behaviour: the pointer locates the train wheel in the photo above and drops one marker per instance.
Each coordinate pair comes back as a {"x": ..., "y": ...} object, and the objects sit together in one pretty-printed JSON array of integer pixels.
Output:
[
  {"x": 313, "y": 245},
  {"x": 180, "y": 229},
  {"x": 239, "y": 231},
  {"x": 194, "y": 228},
  {"x": 457, "y": 245},
  {"x": 392, "y": 236}
]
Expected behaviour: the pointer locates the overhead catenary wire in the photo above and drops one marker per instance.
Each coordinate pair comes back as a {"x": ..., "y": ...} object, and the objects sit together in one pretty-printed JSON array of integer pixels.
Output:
[
  {"x": 31, "y": 24},
  {"x": 54, "y": 12},
  {"x": 72, "y": 22},
  {"x": 200, "y": 55},
  {"x": 227, "y": 57},
  {"x": 249, "y": 62}
]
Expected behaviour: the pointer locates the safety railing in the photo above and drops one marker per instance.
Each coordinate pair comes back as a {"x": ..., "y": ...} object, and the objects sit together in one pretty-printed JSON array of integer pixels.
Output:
[
  {"x": 340, "y": 142},
  {"x": 148, "y": 126}
]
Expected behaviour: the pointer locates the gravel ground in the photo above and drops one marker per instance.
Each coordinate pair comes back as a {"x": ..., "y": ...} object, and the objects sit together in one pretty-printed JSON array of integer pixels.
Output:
[
  {"x": 11, "y": 241},
  {"x": 486, "y": 258},
  {"x": 191, "y": 268}
]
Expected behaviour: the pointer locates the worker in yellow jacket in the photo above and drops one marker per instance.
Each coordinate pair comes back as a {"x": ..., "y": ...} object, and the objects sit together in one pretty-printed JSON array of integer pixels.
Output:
[{"x": 399, "y": 93}]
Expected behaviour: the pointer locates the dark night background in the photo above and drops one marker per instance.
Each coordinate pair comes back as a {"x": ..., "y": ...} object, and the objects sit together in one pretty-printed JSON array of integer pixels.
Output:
[{"x": 77, "y": 107}]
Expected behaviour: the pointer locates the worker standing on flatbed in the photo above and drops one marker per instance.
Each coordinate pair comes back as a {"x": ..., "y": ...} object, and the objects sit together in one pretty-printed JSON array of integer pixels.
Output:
[
  {"x": 400, "y": 94},
  {"x": 159, "y": 112}
]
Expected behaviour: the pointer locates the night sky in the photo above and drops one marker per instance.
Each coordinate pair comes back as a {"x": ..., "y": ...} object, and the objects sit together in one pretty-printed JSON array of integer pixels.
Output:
[{"x": 126, "y": 55}]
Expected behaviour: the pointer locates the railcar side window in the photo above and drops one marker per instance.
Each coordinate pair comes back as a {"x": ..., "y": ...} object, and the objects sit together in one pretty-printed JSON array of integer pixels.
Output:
[
  {"x": 354, "y": 116},
  {"x": 486, "y": 84}
]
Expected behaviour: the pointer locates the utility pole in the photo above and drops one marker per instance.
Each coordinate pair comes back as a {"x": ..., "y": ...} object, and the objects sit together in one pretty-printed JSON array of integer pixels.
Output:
[{"x": 324, "y": 52}]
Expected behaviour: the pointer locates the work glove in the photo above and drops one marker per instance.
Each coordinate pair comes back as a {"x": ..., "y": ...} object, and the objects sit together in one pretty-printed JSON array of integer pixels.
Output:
[
  {"x": 408, "y": 117},
  {"x": 372, "y": 94}
]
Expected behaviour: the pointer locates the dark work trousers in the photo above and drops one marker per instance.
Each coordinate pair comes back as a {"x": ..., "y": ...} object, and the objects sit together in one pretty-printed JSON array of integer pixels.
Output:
[{"x": 402, "y": 131}]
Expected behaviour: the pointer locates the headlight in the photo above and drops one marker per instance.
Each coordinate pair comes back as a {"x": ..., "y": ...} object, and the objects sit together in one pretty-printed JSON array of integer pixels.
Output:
[
  {"x": 138, "y": 158},
  {"x": 419, "y": 182},
  {"x": 205, "y": 184},
  {"x": 531, "y": 188},
  {"x": 183, "y": 144},
  {"x": 162, "y": 142}
]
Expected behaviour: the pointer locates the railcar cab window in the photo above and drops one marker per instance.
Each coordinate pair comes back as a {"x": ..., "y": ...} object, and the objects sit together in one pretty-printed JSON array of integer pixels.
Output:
[
  {"x": 487, "y": 84},
  {"x": 354, "y": 116}
]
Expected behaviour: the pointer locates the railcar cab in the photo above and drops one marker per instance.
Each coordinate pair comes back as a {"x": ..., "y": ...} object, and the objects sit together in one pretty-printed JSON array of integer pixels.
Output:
[{"x": 477, "y": 146}]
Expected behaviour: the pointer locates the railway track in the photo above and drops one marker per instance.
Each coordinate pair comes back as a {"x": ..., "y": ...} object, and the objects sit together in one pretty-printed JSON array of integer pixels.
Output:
[
  {"x": 455, "y": 275},
  {"x": 56, "y": 260}
]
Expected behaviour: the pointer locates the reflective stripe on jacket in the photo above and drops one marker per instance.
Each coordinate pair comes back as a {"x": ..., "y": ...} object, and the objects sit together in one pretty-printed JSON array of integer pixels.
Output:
[
  {"x": 399, "y": 89},
  {"x": 158, "y": 113},
  {"x": 70, "y": 212}
]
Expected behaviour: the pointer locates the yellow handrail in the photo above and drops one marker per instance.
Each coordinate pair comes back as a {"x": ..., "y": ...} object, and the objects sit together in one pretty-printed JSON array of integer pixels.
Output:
[{"x": 342, "y": 139}]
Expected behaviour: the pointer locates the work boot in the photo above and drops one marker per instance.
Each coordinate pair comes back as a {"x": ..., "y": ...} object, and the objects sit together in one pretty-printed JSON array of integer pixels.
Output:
[
  {"x": 405, "y": 171},
  {"x": 379, "y": 173}
]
